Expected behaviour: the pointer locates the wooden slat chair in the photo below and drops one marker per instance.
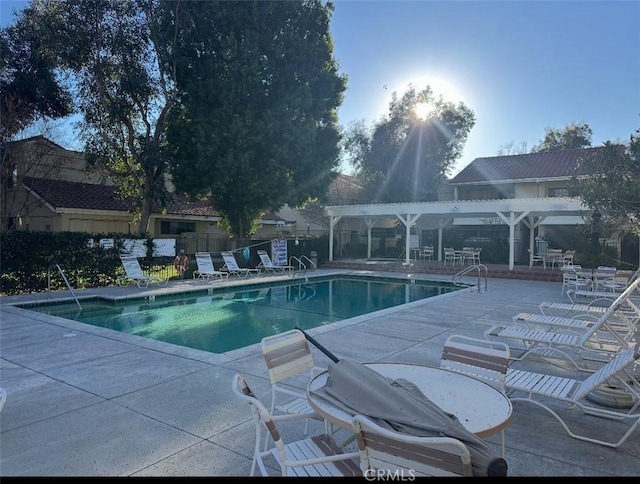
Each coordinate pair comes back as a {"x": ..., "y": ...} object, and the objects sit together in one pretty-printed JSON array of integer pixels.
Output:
[
  {"x": 481, "y": 359},
  {"x": 317, "y": 456},
  {"x": 390, "y": 454},
  {"x": 287, "y": 356},
  {"x": 618, "y": 371}
]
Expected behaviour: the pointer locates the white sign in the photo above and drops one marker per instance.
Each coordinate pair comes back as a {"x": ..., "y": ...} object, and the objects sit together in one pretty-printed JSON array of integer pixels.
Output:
[
  {"x": 279, "y": 252},
  {"x": 107, "y": 243},
  {"x": 138, "y": 247}
]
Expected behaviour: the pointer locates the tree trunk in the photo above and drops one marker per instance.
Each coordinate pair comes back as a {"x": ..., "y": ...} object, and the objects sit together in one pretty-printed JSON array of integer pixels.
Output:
[{"x": 145, "y": 215}]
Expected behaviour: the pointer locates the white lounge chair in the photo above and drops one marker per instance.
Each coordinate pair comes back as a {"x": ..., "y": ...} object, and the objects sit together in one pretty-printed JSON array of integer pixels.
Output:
[
  {"x": 618, "y": 372},
  {"x": 596, "y": 306},
  {"x": 387, "y": 453},
  {"x": 267, "y": 265},
  {"x": 134, "y": 273},
  {"x": 318, "y": 456},
  {"x": 232, "y": 268},
  {"x": 206, "y": 271},
  {"x": 591, "y": 340},
  {"x": 621, "y": 306}
]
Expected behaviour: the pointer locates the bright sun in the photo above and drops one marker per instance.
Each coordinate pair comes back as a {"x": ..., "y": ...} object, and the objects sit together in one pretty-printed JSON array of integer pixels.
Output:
[{"x": 441, "y": 87}]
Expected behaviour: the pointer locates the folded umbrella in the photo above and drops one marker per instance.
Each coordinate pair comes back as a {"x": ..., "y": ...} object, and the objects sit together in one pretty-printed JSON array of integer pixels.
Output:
[{"x": 400, "y": 406}]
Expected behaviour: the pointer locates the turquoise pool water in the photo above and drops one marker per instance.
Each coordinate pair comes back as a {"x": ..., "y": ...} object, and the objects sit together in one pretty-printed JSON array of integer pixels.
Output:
[{"x": 224, "y": 321}]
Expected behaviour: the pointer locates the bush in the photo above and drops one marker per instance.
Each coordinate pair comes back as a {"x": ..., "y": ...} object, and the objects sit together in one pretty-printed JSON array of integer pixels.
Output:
[{"x": 29, "y": 259}]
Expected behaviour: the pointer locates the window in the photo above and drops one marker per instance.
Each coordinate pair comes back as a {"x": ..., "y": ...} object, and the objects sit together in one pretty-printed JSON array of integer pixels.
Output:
[
  {"x": 176, "y": 228},
  {"x": 487, "y": 194},
  {"x": 563, "y": 192}
]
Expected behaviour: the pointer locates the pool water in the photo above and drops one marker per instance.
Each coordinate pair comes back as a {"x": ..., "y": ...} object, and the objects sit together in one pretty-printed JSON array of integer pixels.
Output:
[{"x": 225, "y": 321}]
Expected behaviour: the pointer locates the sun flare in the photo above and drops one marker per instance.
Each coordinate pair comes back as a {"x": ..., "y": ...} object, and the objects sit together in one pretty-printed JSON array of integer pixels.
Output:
[{"x": 441, "y": 88}]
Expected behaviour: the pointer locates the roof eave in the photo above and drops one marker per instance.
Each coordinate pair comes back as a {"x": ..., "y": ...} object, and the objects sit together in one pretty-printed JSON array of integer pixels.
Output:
[{"x": 517, "y": 180}]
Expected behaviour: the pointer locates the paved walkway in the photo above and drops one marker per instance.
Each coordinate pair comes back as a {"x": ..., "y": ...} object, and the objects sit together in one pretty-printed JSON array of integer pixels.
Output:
[{"x": 86, "y": 401}]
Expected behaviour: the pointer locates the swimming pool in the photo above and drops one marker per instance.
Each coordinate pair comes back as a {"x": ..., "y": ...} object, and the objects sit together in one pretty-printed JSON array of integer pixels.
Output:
[{"x": 225, "y": 319}]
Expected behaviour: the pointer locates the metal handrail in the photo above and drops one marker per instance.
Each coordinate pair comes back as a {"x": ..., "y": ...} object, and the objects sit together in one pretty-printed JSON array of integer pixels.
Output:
[
  {"x": 64, "y": 278},
  {"x": 301, "y": 265},
  {"x": 311, "y": 263},
  {"x": 467, "y": 269}
]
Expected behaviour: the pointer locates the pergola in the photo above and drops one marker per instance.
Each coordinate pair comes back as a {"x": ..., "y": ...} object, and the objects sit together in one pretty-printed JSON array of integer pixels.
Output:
[{"x": 530, "y": 211}]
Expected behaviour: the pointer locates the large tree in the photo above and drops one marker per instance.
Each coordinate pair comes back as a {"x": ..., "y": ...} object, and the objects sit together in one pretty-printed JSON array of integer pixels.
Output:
[
  {"x": 116, "y": 55},
  {"x": 405, "y": 156},
  {"x": 29, "y": 92},
  {"x": 257, "y": 127},
  {"x": 571, "y": 136},
  {"x": 28, "y": 83},
  {"x": 610, "y": 182}
]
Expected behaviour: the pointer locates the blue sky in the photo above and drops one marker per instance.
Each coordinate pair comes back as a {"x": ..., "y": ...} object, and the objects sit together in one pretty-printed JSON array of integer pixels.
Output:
[{"x": 521, "y": 66}]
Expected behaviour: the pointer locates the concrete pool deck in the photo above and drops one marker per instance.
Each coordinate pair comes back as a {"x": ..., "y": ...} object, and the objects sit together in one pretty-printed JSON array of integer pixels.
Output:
[{"x": 88, "y": 401}]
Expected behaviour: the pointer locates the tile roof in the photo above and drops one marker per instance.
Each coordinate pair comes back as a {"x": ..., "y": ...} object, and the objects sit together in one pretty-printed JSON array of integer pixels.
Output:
[
  {"x": 546, "y": 164},
  {"x": 66, "y": 194}
]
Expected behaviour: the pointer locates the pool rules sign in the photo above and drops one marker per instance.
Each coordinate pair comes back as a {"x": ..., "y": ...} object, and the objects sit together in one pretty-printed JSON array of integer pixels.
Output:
[{"x": 279, "y": 252}]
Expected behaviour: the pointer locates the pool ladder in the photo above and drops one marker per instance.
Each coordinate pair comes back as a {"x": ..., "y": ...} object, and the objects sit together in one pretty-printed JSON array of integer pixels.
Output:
[
  {"x": 457, "y": 278},
  {"x": 300, "y": 264},
  {"x": 64, "y": 278}
]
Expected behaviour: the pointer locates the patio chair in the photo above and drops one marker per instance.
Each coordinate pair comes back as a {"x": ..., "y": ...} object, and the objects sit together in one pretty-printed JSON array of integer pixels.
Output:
[
  {"x": 427, "y": 253},
  {"x": 617, "y": 373},
  {"x": 384, "y": 452},
  {"x": 533, "y": 258},
  {"x": 555, "y": 257},
  {"x": 603, "y": 275},
  {"x": 267, "y": 265},
  {"x": 573, "y": 279},
  {"x": 315, "y": 456},
  {"x": 481, "y": 359},
  {"x": 618, "y": 282},
  {"x": 287, "y": 355},
  {"x": 600, "y": 294},
  {"x": 206, "y": 271},
  {"x": 232, "y": 268},
  {"x": 451, "y": 256},
  {"x": 476, "y": 255},
  {"x": 133, "y": 273},
  {"x": 467, "y": 255}
]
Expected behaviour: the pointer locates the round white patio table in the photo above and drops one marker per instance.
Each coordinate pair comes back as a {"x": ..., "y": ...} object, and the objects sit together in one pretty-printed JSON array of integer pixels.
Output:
[{"x": 481, "y": 408}]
